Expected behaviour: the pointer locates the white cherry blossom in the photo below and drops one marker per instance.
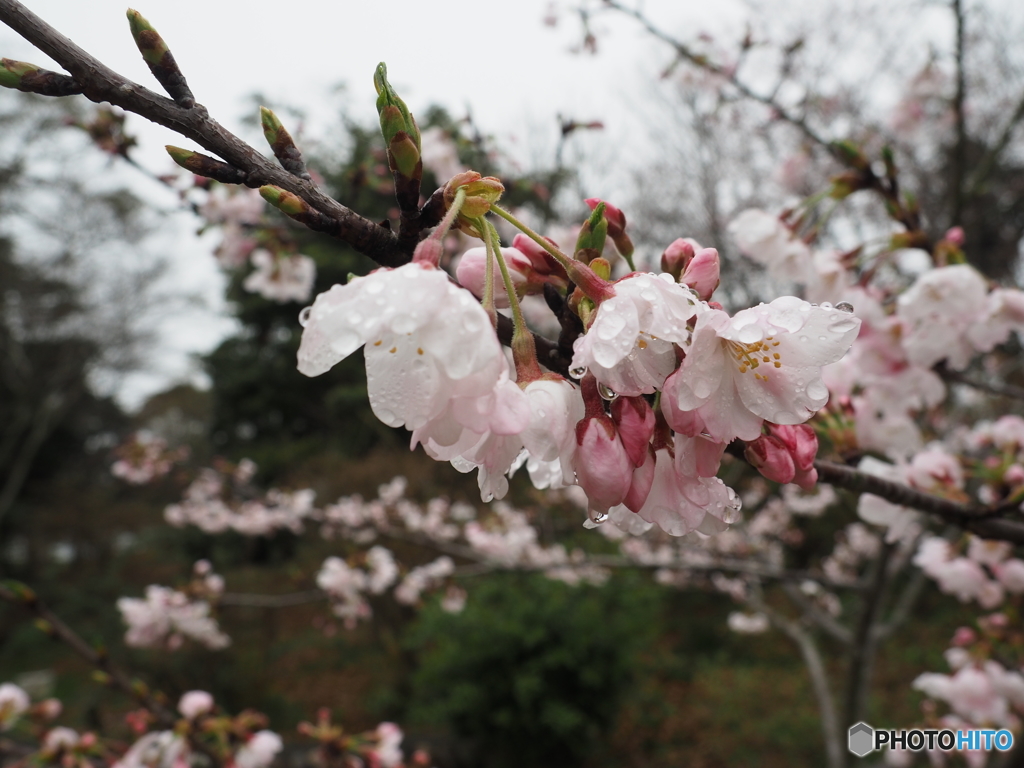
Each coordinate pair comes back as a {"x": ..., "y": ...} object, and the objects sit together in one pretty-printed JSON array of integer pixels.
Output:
[
  {"x": 281, "y": 278},
  {"x": 938, "y": 311},
  {"x": 629, "y": 346},
  {"x": 427, "y": 341}
]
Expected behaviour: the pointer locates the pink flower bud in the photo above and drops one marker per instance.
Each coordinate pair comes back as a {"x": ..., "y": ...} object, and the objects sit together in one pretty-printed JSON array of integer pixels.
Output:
[
  {"x": 801, "y": 442},
  {"x": 635, "y": 422},
  {"x": 472, "y": 272},
  {"x": 677, "y": 256},
  {"x": 643, "y": 480},
  {"x": 703, "y": 273},
  {"x": 964, "y": 636},
  {"x": 1014, "y": 475},
  {"x": 603, "y": 468},
  {"x": 771, "y": 458},
  {"x": 955, "y": 235},
  {"x": 541, "y": 261}
]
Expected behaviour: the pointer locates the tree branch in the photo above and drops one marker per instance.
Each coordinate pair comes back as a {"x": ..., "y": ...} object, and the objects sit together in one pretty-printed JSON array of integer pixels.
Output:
[
  {"x": 101, "y": 84},
  {"x": 981, "y": 521}
]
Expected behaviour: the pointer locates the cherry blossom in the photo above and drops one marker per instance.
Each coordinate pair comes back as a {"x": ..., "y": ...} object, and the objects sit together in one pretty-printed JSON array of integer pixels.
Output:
[
  {"x": 629, "y": 346},
  {"x": 427, "y": 341},
  {"x": 195, "y": 703},
  {"x": 762, "y": 364},
  {"x": 259, "y": 751},
  {"x": 14, "y": 702},
  {"x": 766, "y": 240},
  {"x": 281, "y": 278},
  {"x": 166, "y": 617}
]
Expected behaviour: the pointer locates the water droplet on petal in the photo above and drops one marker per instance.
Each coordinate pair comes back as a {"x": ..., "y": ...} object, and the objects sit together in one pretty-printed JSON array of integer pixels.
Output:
[
  {"x": 578, "y": 372},
  {"x": 597, "y": 518},
  {"x": 606, "y": 392},
  {"x": 844, "y": 306},
  {"x": 304, "y": 316}
]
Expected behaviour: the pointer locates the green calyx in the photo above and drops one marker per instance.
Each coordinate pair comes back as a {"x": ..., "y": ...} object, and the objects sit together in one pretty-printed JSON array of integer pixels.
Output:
[{"x": 151, "y": 45}]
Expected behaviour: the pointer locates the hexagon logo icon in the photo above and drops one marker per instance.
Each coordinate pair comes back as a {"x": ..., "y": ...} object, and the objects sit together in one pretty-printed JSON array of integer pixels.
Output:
[{"x": 861, "y": 739}]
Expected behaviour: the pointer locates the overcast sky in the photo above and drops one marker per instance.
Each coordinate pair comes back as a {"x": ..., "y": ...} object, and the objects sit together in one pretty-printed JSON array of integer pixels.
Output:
[{"x": 501, "y": 60}]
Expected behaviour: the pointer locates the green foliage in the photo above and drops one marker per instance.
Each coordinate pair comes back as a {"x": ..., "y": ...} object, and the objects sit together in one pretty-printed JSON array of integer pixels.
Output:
[{"x": 532, "y": 672}]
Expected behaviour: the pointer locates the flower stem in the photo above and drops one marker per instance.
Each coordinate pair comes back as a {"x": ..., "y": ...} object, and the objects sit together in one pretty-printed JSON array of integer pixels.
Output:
[
  {"x": 524, "y": 350},
  {"x": 430, "y": 249},
  {"x": 488, "y": 299},
  {"x": 593, "y": 286}
]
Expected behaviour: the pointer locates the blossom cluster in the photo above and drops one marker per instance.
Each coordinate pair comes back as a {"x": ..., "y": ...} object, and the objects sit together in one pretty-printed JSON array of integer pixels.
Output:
[
  {"x": 279, "y": 272},
  {"x": 166, "y": 617},
  {"x": 144, "y": 457},
  {"x": 666, "y": 377}
]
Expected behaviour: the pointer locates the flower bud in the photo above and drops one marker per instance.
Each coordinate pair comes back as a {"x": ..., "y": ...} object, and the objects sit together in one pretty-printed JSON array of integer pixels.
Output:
[
  {"x": 394, "y": 114},
  {"x": 771, "y": 458},
  {"x": 702, "y": 273},
  {"x": 634, "y": 420},
  {"x": 160, "y": 60},
  {"x": 593, "y": 233},
  {"x": 642, "y": 482},
  {"x": 616, "y": 227},
  {"x": 603, "y": 468},
  {"x": 471, "y": 273},
  {"x": 481, "y": 192},
  {"x": 677, "y": 256},
  {"x": 801, "y": 442},
  {"x": 964, "y": 636},
  {"x": 32, "y": 79},
  {"x": 541, "y": 261}
]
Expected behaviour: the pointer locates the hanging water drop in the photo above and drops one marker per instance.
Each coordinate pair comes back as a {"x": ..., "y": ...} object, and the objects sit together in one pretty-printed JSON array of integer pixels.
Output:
[
  {"x": 597, "y": 518},
  {"x": 304, "y": 316},
  {"x": 606, "y": 392},
  {"x": 845, "y": 306},
  {"x": 578, "y": 372}
]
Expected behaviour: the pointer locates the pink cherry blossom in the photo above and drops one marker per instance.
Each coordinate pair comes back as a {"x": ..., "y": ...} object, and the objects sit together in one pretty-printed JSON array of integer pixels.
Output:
[
  {"x": 679, "y": 503},
  {"x": 763, "y": 364},
  {"x": 427, "y": 341}
]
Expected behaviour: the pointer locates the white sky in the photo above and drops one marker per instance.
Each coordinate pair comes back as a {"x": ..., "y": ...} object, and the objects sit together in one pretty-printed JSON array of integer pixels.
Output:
[{"x": 499, "y": 59}]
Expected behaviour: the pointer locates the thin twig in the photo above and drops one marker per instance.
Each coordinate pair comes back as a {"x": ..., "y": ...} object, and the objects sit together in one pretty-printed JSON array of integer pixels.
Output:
[{"x": 53, "y": 625}]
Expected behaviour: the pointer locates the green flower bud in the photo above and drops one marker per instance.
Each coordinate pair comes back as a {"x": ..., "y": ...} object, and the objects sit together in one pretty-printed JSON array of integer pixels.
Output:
[{"x": 394, "y": 114}]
